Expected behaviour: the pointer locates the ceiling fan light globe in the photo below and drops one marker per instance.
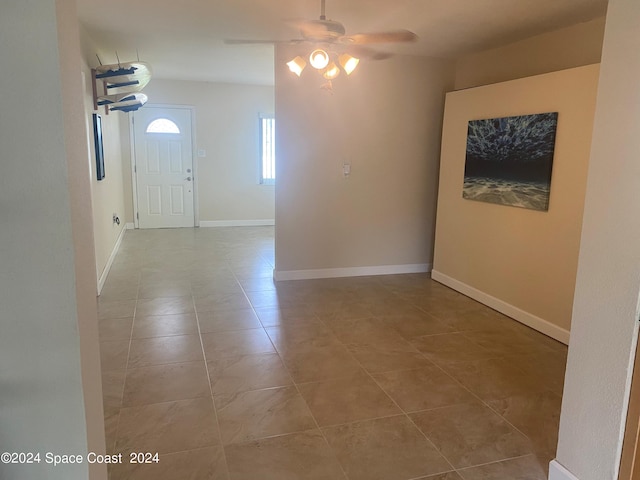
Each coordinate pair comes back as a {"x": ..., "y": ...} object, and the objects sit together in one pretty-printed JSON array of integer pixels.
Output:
[
  {"x": 297, "y": 65},
  {"x": 348, "y": 63},
  {"x": 319, "y": 59},
  {"x": 331, "y": 72}
]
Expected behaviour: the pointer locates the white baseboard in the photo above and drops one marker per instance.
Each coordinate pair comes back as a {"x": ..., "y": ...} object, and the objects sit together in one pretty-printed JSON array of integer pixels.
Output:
[
  {"x": 558, "y": 472},
  {"x": 350, "y": 271},
  {"x": 129, "y": 226},
  {"x": 236, "y": 223},
  {"x": 516, "y": 313},
  {"x": 114, "y": 252}
]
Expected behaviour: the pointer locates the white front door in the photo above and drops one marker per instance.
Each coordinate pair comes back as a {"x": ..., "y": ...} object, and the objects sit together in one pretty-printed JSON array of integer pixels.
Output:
[{"x": 163, "y": 167}]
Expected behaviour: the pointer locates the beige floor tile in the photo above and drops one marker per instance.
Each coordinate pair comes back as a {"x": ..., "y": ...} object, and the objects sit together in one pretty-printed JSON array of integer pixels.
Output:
[
  {"x": 537, "y": 416},
  {"x": 222, "y": 301},
  {"x": 116, "y": 309},
  {"x": 384, "y": 449},
  {"x": 271, "y": 316},
  {"x": 471, "y": 434},
  {"x": 506, "y": 342},
  {"x": 202, "y": 464},
  {"x": 298, "y": 336},
  {"x": 384, "y": 358},
  {"x": 112, "y": 391},
  {"x": 450, "y": 348},
  {"x": 224, "y": 321},
  {"x": 524, "y": 468},
  {"x": 258, "y": 284},
  {"x": 164, "y": 383},
  {"x": 168, "y": 427},
  {"x": 494, "y": 379},
  {"x": 119, "y": 291},
  {"x": 370, "y": 331},
  {"x": 333, "y": 313},
  {"x": 113, "y": 355},
  {"x": 203, "y": 286},
  {"x": 423, "y": 389},
  {"x": 262, "y": 413},
  {"x": 165, "y": 325},
  {"x": 547, "y": 367},
  {"x": 476, "y": 319},
  {"x": 230, "y": 375},
  {"x": 165, "y": 289},
  {"x": 267, "y": 298},
  {"x": 164, "y": 306},
  {"x": 297, "y": 456},
  {"x": 449, "y": 306},
  {"x": 110, "y": 431},
  {"x": 319, "y": 363},
  {"x": 345, "y": 400},
  {"x": 385, "y": 305},
  {"x": 234, "y": 343},
  {"x": 329, "y": 333},
  {"x": 442, "y": 476},
  {"x": 115, "y": 329},
  {"x": 414, "y": 325},
  {"x": 160, "y": 350}
]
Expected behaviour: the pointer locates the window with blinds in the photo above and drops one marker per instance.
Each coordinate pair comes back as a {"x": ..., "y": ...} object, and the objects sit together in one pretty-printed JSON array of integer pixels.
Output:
[{"x": 267, "y": 150}]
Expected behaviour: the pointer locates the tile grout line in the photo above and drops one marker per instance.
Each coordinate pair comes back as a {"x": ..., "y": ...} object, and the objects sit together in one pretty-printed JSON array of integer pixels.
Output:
[{"x": 213, "y": 403}]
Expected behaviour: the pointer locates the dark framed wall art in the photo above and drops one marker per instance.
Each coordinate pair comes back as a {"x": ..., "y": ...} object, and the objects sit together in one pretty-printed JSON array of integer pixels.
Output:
[
  {"x": 97, "y": 136},
  {"x": 509, "y": 160}
]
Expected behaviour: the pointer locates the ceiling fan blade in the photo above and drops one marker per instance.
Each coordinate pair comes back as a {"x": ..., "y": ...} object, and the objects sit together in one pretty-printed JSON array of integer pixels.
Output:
[
  {"x": 311, "y": 27},
  {"x": 397, "y": 36},
  {"x": 231, "y": 41},
  {"x": 367, "y": 53}
]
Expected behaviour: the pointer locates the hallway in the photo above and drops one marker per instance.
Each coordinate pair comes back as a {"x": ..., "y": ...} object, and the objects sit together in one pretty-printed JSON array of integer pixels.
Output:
[{"x": 229, "y": 376}]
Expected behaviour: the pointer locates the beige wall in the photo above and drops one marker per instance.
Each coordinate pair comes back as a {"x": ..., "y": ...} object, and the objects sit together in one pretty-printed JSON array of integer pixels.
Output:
[
  {"x": 525, "y": 260},
  {"x": 107, "y": 194},
  {"x": 385, "y": 120},
  {"x": 227, "y": 129},
  {"x": 565, "y": 48},
  {"x": 605, "y": 315},
  {"x": 82, "y": 222},
  {"x": 49, "y": 376}
]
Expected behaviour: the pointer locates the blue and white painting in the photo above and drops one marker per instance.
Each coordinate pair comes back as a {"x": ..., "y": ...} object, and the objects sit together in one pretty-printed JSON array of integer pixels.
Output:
[{"x": 509, "y": 160}]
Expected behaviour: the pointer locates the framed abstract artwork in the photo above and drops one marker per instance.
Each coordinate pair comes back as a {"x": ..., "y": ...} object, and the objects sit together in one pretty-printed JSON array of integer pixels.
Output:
[{"x": 509, "y": 160}]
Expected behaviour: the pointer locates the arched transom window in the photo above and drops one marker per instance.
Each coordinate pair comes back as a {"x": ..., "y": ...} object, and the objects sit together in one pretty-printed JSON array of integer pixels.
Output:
[{"x": 162, "y": 125}]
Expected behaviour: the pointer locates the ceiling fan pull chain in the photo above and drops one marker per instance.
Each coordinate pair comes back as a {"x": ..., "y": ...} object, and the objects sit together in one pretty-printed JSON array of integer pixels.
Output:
[{"x": 322, "y": 11}]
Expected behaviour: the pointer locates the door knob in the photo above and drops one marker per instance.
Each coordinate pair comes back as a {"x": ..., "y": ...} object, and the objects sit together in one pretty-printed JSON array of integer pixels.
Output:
[{"x": 188, "y": 179}]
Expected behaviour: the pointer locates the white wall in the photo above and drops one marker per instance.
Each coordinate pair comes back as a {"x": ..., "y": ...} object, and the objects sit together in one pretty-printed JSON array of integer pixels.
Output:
[
  {"x": 227, "y": 129},
  {"x": 521, "y": 262},
  {"x": 385, "y": 120},
  {"x": 605, "y": 325},
  {"x": 108, "y": 194},
  {"x": 569, "y": 47},
  {"x": 45, "y": 312}
]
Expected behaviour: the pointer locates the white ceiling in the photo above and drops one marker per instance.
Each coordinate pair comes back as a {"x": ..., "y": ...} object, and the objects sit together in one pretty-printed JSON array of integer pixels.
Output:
[{"x": 183, "y": 39}]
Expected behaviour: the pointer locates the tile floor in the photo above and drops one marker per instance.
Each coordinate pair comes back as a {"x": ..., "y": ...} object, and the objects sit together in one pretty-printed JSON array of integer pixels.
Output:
[{"x": 229, "y": 376}]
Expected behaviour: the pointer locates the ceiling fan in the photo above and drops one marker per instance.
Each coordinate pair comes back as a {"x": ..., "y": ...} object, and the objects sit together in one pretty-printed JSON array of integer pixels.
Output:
[{"x": 329, "y": 39}]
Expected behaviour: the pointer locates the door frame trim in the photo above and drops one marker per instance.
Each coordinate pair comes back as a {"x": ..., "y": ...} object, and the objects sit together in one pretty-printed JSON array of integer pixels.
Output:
[
  {"x": 194, "y": 161},
  {"x": 629, "y": 466}
]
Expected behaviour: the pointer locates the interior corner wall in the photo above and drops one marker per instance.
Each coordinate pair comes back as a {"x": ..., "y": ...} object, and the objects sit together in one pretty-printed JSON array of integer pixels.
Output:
[
  {"x": 107, "y": 194},
  {"x": 569, "y": 47},
  {"x": 519, "y": 261},
  {"x": 227, "y": 130},
  {"x": 78, "y": 172},
  {"x": 384, "y": 120},
  {"x": 42, "y": 402},
  {"x": 604, "y": 333}
]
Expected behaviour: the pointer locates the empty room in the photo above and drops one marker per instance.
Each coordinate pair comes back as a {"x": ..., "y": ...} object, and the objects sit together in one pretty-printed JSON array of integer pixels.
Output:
[{"x": 324, "y": 239}]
